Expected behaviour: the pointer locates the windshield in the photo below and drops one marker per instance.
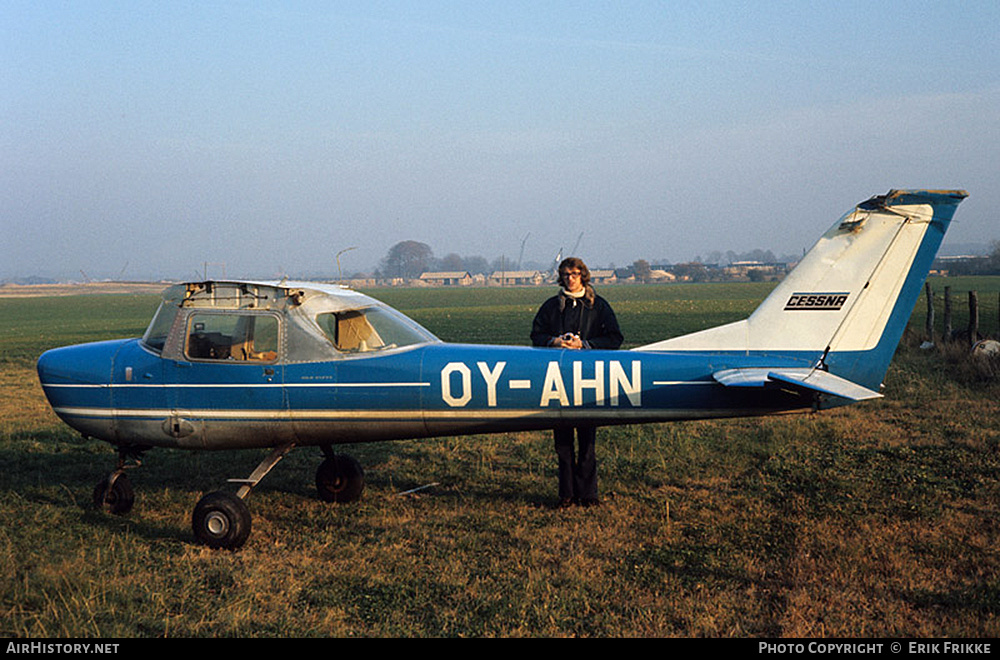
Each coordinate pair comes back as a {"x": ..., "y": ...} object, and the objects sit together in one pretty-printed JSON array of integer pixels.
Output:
[
  {"x": 370, "y": 329},
  {"x": 159, "y": 327}
]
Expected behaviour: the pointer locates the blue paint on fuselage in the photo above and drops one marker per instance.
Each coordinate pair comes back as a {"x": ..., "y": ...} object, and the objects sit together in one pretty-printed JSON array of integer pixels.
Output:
[{"x": 110, "y": 389}]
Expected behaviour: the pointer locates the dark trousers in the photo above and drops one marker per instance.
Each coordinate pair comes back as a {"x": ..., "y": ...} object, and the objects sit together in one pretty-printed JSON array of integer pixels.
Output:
[{"x": 577, "y": 469}]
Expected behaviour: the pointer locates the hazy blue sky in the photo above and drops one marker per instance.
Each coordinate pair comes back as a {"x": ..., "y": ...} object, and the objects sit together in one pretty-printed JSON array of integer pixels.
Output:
[{"x": 146, "y": 138}]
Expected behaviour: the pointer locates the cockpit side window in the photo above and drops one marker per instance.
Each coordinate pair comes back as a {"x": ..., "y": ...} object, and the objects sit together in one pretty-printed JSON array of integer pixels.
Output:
[
  {"x": 350, "y": 331},
  {"x": 232, "y": 337},
  {"x": 370, "y": 329}
]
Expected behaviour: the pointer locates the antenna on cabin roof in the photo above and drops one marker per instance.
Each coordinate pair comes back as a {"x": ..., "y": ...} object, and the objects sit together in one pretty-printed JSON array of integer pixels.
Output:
[
  {"x": 339, "y": 276},
  {"x": 216, "y": 263}
]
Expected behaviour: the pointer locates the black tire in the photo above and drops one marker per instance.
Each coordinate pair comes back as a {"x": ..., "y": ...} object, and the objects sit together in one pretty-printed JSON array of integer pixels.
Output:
[
  {"x": 114, "y": 494},
  {"x": 221, "y": 521},
  {"x": 340, "y": 479}
]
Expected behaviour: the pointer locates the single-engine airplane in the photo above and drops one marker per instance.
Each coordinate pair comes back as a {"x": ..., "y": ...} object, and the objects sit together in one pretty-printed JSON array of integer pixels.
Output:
[{"x": 244, "y": 364}]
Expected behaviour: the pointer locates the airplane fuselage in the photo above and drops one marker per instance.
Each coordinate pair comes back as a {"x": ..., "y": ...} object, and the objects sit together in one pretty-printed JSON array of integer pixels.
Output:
[{"x": 140, "y": 398}]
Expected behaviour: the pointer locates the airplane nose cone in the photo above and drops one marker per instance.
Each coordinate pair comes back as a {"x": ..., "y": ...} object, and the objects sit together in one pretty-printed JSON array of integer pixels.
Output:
[
  {"x": 77, "y": 383},
  {"x": 87, "y": 364}
]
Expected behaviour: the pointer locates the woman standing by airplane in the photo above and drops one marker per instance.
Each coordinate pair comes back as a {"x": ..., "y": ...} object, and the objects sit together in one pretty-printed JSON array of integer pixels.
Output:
[{"x": 576, "y": 318}]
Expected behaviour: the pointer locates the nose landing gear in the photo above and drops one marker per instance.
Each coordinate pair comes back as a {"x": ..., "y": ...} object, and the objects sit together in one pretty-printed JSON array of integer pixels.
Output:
[{"x": 114, "y": 493}]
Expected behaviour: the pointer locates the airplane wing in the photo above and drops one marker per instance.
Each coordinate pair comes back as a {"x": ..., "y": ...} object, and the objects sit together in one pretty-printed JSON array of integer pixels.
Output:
[{"x": 808, "y": 379}]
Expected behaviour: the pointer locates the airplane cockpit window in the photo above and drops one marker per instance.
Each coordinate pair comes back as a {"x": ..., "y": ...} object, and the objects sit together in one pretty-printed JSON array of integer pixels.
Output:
[
  {"x": 232, "y": 337},
  {"x": 156, "y": 334},
  {"x": 370, "y": 329}
]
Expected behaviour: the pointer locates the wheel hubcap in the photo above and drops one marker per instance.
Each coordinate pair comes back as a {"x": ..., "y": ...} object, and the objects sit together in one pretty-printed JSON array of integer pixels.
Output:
[{"x": 216, "y": 523}]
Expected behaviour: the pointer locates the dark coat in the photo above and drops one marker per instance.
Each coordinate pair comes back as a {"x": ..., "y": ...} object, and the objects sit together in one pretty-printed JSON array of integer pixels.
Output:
[{"x": 591, "y": 318}]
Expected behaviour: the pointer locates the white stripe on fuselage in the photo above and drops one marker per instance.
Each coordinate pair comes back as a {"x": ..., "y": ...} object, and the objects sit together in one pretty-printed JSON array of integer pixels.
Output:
[
  {"x": 402, "y": 415},
  {"x": 227, "y": 385}
]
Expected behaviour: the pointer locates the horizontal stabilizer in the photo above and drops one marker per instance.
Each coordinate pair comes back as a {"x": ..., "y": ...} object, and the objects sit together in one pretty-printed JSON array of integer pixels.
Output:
[{"x": 809, "y": 379}]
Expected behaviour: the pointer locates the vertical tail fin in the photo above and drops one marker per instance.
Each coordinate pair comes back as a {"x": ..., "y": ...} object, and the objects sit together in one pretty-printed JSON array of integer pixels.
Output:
[{"x": 850, "y": 297}]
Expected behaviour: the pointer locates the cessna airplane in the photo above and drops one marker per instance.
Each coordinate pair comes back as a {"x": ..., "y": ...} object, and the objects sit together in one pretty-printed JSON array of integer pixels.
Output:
[{"x": 242, "y": 364}]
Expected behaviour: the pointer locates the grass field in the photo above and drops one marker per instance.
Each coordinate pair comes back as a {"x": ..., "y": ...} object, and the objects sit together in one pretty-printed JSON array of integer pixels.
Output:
[{"x": 876, "y": 520}]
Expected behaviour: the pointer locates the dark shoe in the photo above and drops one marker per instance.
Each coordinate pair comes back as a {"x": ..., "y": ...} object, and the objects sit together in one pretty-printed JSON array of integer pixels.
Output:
[
  {"x": 565, "y": 503},
  {"x": 587, "y": 503}
]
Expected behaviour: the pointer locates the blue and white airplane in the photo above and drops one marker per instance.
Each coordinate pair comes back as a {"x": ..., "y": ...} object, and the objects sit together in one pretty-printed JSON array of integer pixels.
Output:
[{"x": 241, "y": 364}]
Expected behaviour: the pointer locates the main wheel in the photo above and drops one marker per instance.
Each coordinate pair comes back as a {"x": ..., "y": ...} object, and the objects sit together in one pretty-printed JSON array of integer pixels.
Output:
[
  {"x": 340, "y": 479},
  {"x": 221, "y": 520},
  {"x": 114, "y": 494}
]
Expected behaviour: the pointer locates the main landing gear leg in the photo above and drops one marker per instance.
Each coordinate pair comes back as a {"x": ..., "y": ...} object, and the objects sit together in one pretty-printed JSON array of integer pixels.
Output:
[
  {"x": 222, "y": 520},
  {"x": 114, "y": 493}
]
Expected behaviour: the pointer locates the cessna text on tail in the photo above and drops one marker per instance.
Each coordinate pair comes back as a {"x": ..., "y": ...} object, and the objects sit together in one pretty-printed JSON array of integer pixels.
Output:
[{"x": 234, "y": 365}]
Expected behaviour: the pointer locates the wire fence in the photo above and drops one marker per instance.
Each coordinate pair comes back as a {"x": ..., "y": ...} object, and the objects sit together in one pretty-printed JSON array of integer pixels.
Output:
[{"x": 965, "y": 315}]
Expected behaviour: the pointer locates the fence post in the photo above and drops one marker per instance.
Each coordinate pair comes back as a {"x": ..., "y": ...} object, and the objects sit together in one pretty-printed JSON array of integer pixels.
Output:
[
  {"x": 930, "y": 312},
  {"x": 947, "y": 313},
  {"x": 973, "y": 318}
]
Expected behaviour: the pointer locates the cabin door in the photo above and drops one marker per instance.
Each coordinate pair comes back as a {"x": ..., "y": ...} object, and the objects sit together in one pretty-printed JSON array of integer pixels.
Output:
[{"x": 228, "y": 390}]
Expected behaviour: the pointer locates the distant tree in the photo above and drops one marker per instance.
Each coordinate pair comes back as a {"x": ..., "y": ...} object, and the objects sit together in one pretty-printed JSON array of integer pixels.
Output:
[
  {"x": 502, "y": 263},
  {"x": 451, "y": 262},
  {"x": 763, "y": 256},
  {"x": 476, "y": 265},
  {"x": 407, "y": 259},
  {"x": 641, "y": 270},
  {"x": 694, "y": 271},
  {"x": 715, "y": 257}
]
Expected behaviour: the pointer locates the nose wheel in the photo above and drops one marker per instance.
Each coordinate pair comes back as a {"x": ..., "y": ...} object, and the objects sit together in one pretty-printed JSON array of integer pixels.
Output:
[{"x": 114, "y": 493}]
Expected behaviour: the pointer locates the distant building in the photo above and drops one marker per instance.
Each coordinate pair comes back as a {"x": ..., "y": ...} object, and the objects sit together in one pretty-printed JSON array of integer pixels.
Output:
[
  {"x": 603, "y": 276},
  {"x": 359, "y": 282},
  {"x": 447, "y": 278},
  {"x": 965, "y": 264},
  {"x": 754, "y": 270},
  {"x": 659, "y": 275},
  {"x": 516, "y": 277}
]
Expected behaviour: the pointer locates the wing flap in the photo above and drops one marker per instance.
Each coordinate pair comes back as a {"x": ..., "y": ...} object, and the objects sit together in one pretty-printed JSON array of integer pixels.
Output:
[{"x": 814, "y": 380}]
